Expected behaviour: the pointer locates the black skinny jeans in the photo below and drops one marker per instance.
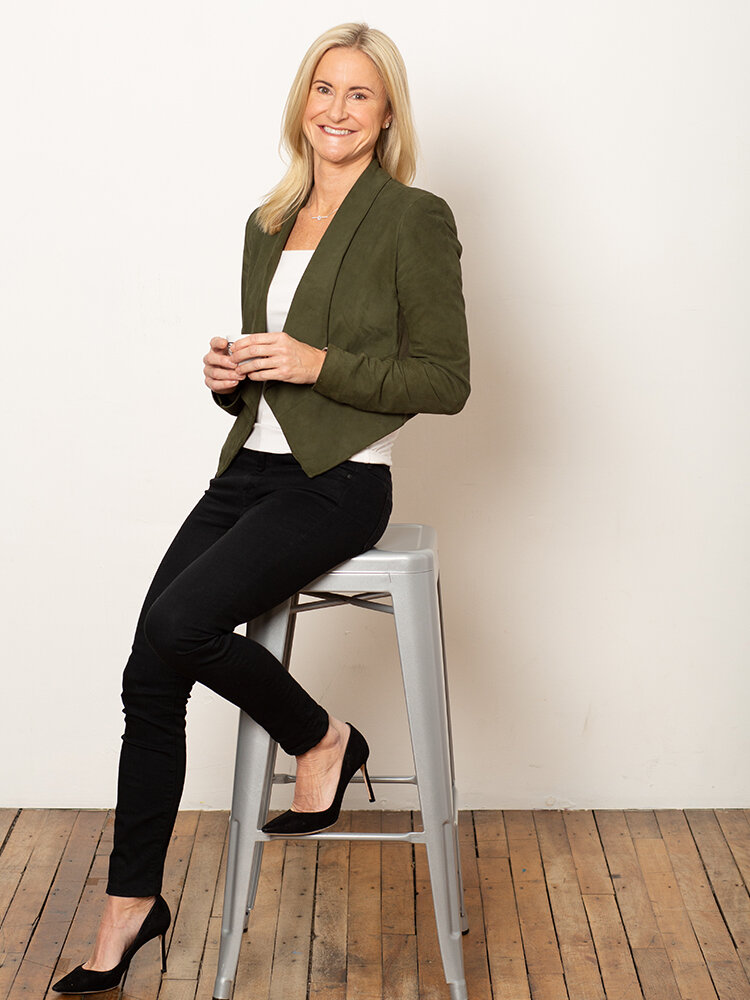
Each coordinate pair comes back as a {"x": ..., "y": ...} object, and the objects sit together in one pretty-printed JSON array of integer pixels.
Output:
[{"x": 259, "y": 534}]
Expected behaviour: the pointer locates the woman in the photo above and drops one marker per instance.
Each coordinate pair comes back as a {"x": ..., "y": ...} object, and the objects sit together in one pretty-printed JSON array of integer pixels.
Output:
[{"x": 353, "y": 321}]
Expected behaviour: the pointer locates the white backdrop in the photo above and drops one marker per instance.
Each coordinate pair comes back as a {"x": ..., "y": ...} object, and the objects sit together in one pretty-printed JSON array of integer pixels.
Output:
[{"x": 591, "y": 500}]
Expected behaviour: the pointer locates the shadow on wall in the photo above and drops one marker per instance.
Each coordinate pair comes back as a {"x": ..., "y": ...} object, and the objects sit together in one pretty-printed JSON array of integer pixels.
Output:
[
  {"x": 498, "y": 480},
  {"x": 458, "y": 473}
]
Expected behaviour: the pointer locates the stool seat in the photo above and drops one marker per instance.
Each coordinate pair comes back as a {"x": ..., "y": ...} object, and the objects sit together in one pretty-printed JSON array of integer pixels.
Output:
[
  {"x": 404, "y": 548},
  {"x": 402, "y": 567}
]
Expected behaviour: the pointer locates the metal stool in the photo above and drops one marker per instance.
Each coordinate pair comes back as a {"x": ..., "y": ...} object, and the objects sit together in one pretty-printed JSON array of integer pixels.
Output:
[{"x": 404, "y": 567}]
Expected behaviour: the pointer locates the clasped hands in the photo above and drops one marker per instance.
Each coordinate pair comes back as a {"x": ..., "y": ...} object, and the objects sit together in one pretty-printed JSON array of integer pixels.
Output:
[{"x": 260, "y": 357}]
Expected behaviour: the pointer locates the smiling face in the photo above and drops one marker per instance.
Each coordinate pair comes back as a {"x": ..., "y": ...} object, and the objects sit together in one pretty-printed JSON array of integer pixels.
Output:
[{"x": 346, "y": 109}]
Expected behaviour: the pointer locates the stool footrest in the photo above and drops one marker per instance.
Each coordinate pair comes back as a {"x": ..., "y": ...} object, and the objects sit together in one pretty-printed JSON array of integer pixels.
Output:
[
  {"x": 412, "y": 837},
  {"x": 383, "y": 779}
]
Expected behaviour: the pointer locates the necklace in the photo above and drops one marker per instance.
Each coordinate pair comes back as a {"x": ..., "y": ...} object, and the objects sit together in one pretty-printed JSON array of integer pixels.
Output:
[{"x": 319, "y": 218}]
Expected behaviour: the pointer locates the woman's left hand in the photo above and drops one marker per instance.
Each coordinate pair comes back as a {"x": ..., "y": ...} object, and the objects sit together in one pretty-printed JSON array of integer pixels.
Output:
[{"x": 265, "y": 357}]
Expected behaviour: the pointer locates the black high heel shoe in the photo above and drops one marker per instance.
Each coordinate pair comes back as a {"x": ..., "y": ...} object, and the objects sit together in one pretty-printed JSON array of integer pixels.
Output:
[
  {"x": 299, "y": 824},
  {"x": 82, "y": 980}
]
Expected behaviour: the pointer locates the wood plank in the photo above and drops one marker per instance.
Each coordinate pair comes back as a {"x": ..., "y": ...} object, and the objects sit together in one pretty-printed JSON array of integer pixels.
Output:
[
  {"x": 364, "y": 980},
  {"x": 735, "y": 826},
  {"x": 615, "y": 961},
  {"x": 177, "y": 989},
  {"x": 398, "y": 911},
  {"x": 17, "y": 851},
  {"x": 328, "y": 959},
  {"x": 107, "y": 838},
  {"x": 432, "y": 984},
  {"x": 720, "y": 956},
  {"x": 218, "y": 906},
  {"x": 726, "y": 880},
  {"x": 685, "y": 860},
  {"x": 400, "y": 977},
  {"x": 656, "y": 974},
  {"x": 627, "y": 878},
  {"x": 642, "y": 824},
  {"x": 144, "y": 979},
  {"x": 490, "y": 834},
  {"x": 571, "y": 923},
  {"x": 673, "y": 920},
  {"x": 85, "y": 922},
  {"x": 257, "y": 951},
  {"x": 28, "y": 901},
  {"x": 398, "y": 914},
  {"x": 478, "y": 983},
  {"x": 210, "y": 961},
  {"x": 523, "y": 847},
  {"x": 543, "y": 962},
  {"x": 294, "y": 928},
  {"x": 210, "y": 957},
  {"x": 506, "y": 958},
  {"x": 467, "y": 846},
  {"x": 588, "y": 855},
  {"x": 641, "y": 926},
  {"x": 49, "y": 933},
  {"x": 191, "y": 920},
  {"x": 7, "y": 819},
  {"x": 476, "y": 965}
]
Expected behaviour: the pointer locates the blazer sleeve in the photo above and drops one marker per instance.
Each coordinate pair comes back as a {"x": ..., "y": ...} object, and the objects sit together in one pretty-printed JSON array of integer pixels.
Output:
[
  {"x": 231, "y": 402},
  {"x": 431, "y": 374}
]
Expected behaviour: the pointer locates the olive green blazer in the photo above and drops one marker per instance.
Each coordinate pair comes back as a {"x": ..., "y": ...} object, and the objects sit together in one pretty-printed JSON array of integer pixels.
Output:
[{"x": 382, "y": 293}]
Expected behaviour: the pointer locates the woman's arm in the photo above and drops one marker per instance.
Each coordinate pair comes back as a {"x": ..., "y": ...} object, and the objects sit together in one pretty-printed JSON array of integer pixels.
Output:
[
  {"x": 228, "y": 397},
  {"x": 433, "y": 374}
]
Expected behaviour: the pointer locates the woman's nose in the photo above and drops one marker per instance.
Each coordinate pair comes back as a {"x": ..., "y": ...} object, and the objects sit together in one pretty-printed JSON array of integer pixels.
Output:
[{"x": 338, "y": 109}]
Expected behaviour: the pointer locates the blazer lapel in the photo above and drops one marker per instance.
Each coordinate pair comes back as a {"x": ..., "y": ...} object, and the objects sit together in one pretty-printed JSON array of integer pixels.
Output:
[
  {"x": 265, "y": 262},
  {"x": 308, "y": 314}
]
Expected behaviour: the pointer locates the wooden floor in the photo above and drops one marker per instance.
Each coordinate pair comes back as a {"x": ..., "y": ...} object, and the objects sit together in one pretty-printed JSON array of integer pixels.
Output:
[{"x": 578, "y": 905}]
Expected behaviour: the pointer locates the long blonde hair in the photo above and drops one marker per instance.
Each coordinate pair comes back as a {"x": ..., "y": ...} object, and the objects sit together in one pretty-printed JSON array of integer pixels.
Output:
[{"x": 396, "y": 149}]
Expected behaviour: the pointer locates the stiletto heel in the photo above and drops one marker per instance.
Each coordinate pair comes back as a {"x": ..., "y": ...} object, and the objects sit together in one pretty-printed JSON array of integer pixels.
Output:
[
  {"x": 80, "y": 980},
  {"x": 299, "y": 824},
  {"x": 366, "y": 776}
]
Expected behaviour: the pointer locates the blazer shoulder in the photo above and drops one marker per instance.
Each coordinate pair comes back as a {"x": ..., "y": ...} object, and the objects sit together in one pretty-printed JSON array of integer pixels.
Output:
[
  {"x": 252, "y": 229},
  {"x": 414, "y": 202}
]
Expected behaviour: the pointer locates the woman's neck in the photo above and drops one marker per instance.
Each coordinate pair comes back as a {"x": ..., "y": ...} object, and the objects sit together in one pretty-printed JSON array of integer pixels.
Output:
[{"x": 331, "y": 184}]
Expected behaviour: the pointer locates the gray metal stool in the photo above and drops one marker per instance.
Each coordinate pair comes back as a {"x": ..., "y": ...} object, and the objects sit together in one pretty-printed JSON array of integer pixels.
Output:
[{"x": 404, "y": 567}]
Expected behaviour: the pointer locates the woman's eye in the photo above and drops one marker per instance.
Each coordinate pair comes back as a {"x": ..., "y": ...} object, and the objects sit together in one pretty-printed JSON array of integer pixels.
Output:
[
  {"x": 323, "y": 90},
  {"x": 357, "y": 96}
]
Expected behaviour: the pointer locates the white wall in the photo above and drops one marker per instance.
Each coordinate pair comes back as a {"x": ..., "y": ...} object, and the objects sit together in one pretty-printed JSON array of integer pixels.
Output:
[{"x": 591, "y": 500}]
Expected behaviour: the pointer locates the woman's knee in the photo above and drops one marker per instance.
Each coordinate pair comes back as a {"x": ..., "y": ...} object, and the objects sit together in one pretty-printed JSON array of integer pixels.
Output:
[
  {"x": 178, "y": 638},
  {"x": 167, "y": 633}
]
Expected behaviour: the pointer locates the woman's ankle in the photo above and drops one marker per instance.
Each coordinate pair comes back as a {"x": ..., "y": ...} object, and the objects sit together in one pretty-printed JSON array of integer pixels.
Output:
[{"x": 334, "y": 737}]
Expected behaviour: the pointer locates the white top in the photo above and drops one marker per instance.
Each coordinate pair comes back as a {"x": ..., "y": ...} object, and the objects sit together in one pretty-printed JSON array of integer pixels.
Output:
[{"x": 267, "y": 434}]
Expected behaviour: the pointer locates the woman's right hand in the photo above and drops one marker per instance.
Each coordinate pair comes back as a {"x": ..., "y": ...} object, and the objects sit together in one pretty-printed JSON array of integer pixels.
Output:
[{"x": 219, "y": 369}]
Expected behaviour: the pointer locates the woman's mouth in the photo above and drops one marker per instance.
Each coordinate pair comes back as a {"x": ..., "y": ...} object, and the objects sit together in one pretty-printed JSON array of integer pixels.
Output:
[{"x": 335, "y": 131}]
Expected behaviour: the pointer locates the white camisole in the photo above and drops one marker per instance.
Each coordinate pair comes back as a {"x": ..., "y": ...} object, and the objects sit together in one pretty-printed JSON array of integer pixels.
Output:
[{"x": 267, "y": 434}]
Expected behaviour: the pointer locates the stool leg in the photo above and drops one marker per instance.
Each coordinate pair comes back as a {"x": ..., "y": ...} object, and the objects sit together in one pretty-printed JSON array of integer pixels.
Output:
[
  {"x": 417, "y": 615},
  {"x": 253, "y": 781},
  {"x": 464, "y": 917},
  {"x": 253, "y": 776}
]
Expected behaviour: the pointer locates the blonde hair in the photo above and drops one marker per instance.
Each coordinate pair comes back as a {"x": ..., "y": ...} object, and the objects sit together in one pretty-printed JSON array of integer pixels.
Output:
[{"x": 396, "y": 148}]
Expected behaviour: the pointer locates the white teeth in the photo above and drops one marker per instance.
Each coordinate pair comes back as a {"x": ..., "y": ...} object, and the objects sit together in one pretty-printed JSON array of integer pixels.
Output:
[{"x": 336, "y": 131}]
